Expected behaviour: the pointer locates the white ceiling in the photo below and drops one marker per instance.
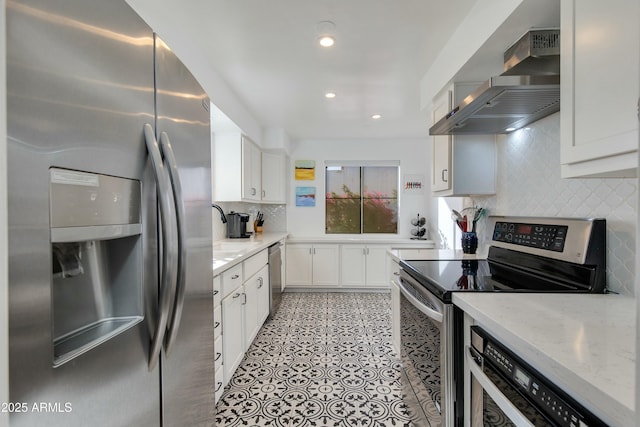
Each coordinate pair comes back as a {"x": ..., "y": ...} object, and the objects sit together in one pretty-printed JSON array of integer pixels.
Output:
[{"x": 266, "y": 52}]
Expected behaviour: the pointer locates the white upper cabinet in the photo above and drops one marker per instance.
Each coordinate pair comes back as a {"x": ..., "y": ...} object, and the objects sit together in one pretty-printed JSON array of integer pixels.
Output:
[
  {"x": 600, "y": 44},
  {"x": 243, "y": 173},
  {"x": 463, "y": 165},
  {"x": 251, "y": 171},
  {"x": 273, "y": 178}
]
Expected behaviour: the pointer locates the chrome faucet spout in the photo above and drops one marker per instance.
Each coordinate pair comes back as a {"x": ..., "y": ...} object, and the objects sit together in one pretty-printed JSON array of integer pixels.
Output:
[{"x": 222, "y": 217}]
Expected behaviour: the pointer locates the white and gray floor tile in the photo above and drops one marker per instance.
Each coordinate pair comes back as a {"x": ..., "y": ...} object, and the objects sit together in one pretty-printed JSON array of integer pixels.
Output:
[{"x": 325, "y": 359}]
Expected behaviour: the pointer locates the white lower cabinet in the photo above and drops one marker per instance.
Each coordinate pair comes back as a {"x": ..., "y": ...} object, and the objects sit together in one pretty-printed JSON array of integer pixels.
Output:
[
  {"x": 363, "y": 266},
  {"x": 217, "y": 334},
  {"x": 244, "y": 307},
  {"x": 312, "y": 265},
  {"x": 233, "y": 331},
  {"x": 257, "y": 304}
]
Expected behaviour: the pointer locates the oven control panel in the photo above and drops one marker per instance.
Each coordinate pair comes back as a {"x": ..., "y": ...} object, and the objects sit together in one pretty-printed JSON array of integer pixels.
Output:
[{"x": 541, "y": 236}]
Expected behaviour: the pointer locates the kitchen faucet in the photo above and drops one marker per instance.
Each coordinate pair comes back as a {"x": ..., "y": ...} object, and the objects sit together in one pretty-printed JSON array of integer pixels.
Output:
[{"x": 222, "y": 217}]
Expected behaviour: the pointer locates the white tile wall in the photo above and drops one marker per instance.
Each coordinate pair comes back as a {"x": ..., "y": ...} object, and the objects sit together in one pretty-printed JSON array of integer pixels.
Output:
[{"x": 529, "y": 183}]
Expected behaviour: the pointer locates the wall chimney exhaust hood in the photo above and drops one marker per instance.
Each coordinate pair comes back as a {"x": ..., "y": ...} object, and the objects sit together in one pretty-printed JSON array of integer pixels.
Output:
[{"x": 528, "y": 90}]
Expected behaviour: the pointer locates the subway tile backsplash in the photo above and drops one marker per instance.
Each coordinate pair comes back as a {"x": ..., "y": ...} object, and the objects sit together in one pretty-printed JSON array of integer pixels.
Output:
[
  {"x": 275, "y": 217},
  {"x": 529, "y": 183}
]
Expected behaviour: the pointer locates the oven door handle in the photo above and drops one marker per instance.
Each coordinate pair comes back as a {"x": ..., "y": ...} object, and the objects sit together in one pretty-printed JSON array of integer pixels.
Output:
[
  {"x": 494, "y": 392},
  {"x": 433, "y": 314}
]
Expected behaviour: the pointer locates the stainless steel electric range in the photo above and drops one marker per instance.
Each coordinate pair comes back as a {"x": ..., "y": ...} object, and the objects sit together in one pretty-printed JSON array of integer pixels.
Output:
[{"x": 526, "y": 254}]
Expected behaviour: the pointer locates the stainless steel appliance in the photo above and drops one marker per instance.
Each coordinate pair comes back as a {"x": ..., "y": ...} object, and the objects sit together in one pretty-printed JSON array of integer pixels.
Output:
[
  {"x": 525, "y": 255},
  {"x": 275, "y": 277},
  {"x": 237, "y": 225},
  {"x": 527, "y": 90},
  {"x": 507, "y": 392},
  {"x": 109, "y": 222}
]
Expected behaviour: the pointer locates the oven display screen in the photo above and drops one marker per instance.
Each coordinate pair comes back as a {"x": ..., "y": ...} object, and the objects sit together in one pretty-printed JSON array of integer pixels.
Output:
[
  {"x": 521, "y": 377},
  {"x": 524, "y": 229}
]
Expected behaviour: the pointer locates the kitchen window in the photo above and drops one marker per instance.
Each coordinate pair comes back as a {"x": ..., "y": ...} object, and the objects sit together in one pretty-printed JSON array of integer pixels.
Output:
[{"x": 361, "y": 199}]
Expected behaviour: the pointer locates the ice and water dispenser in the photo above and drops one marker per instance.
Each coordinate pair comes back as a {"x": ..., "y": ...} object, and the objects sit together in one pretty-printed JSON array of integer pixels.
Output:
[{"x": 97, "y": 259}]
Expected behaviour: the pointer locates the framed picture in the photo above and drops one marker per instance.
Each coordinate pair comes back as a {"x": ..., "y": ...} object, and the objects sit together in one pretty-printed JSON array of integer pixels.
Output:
[
  {"x": 306, "y": 196},
  {"x": 305, "y": 170}
]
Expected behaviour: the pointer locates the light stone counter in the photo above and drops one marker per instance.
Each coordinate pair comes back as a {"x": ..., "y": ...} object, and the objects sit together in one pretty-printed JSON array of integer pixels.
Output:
[
  {"x": 395, "y": 242},
  {"x": 229, "y": 252},
  {"x": 398, "y": 254},
  {"x": 583, "y": 343}
]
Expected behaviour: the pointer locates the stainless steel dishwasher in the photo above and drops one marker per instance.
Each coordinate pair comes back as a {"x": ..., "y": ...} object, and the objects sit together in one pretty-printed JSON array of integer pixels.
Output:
[{"x": 275, "y": 277}]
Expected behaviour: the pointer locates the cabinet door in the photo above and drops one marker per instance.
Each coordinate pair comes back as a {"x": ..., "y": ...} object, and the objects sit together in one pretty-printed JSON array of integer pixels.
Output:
[
  {"x": 251, "y": 170},
  {"x": 377, "y": 275},
  {"x": 353, "y": 265},
  {"x": 599, "y": 88},
  {"x": 298, "y": 265},
  {"x": 326, "y": 265},
  {"x": 232, "y": 332},
  {"x": 251, "y": 323},
  {"x": 264, "y": 294},
  {"x": 441, "y": 147},
  {"x": 273, "y": 178}
]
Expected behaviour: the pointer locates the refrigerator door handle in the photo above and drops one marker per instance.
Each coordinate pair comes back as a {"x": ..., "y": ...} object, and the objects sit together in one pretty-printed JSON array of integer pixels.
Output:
[
  {"x": 172, "y": 167},
  {"x": 169, "y": 247}
]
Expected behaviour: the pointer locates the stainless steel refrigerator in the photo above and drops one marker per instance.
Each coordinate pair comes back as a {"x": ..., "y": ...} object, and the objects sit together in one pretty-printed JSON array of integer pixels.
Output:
[{"x": 110, "y": 265}]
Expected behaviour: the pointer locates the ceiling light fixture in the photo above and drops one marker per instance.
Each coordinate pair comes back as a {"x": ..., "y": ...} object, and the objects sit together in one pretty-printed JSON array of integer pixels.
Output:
[
  {"x": 376, "y": 116},
  {"x": 326, "y": 31},
  {"x": 327, "y": 41},
  {"x": 330, "y": 95}
]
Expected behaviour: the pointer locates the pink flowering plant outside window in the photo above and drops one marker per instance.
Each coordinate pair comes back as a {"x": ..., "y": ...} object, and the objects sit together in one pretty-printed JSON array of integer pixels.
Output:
[{"x": 361, "y": 199}]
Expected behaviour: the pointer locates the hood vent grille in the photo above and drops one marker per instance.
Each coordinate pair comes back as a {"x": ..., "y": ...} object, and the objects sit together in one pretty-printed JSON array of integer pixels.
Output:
[{"x": 527, "y": 91}]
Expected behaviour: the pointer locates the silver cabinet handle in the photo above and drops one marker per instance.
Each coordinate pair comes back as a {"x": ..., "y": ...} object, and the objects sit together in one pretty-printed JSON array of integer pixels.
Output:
[
  {"x": 245, "y": 299},
  {"x": 217, "y": 356},
  {"x": 235, "y": 276},
  {"x": 219, "y": 386},
  {"x": 260, "y": 282},
  {"x": 216, "y": 292},
  {"x": 444, "y": 171},
  {"x": 216, "y": 325},
  {"x": 264, "y": 193},
  {"x": 253, "y": 191},
  {"x": 169, "y": 247},
  {"x": 395, "y": 273},
  {"x": 236, "y": 295},
  {"x": 178, "y": 200}
]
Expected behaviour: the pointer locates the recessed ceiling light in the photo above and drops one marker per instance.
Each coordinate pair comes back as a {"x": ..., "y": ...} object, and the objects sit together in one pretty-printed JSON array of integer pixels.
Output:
[
  {"x": 330, "y": 95},
  {"x": 376, "y": 116},
  {"x": 326, "y": 41}
]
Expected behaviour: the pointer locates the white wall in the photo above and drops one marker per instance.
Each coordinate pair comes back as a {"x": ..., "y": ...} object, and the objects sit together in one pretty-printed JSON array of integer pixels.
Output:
[{"x": 414, "y": 156}]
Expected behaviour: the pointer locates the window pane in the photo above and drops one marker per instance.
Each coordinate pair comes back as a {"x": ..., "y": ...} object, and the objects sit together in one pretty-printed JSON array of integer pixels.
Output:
[
  {"x": 343, "y": 215},
  {"x": 343, "y": 182},
  {"x": 380, "y": 199}
]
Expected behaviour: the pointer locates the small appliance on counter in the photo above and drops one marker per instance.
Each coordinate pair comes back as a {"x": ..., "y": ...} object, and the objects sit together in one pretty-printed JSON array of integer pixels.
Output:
[{"x": 237, "y": 225}]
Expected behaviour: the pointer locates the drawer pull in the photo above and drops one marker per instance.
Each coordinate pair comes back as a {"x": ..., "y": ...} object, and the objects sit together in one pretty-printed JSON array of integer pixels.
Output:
[
  {"x": 216, "y": 292},
  {"x": 236, "y": 295},
  {"x": 235, "y": 276},
  {"x": 217, "y": 356},
  {"x": 219, "y": 386},
  {"x": 216, "y": 325}
]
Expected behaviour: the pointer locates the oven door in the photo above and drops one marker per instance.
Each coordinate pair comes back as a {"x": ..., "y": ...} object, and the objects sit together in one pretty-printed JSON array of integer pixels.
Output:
[{"x": 425, "y": 324}]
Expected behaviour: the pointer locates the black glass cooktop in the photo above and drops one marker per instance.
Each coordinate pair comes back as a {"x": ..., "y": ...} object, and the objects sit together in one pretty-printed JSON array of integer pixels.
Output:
[{"x": 443, "y": 277}]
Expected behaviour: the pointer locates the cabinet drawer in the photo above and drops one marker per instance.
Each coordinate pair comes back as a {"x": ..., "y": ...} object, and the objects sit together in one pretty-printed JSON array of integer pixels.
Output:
[
  {"x": 255, "y": 263},
  {"x": 217, "y": 357},
  {"x": 217, "y": 290},
  {"x": 231, "y": 280},
  {"x": 217, "y": 322}
]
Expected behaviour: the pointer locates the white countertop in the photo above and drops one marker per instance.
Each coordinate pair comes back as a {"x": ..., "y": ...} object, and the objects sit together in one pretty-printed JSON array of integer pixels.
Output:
[
  {"x": 229, "y": 252},
  {"x": 583, "y": 343}
]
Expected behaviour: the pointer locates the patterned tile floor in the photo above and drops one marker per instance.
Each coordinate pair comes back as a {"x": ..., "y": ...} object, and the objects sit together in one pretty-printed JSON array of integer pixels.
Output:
[{"x": 325, "y": 359}]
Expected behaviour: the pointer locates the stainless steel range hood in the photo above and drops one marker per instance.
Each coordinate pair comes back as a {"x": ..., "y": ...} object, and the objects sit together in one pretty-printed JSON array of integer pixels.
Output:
[{"x": 527, "y": 91}]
